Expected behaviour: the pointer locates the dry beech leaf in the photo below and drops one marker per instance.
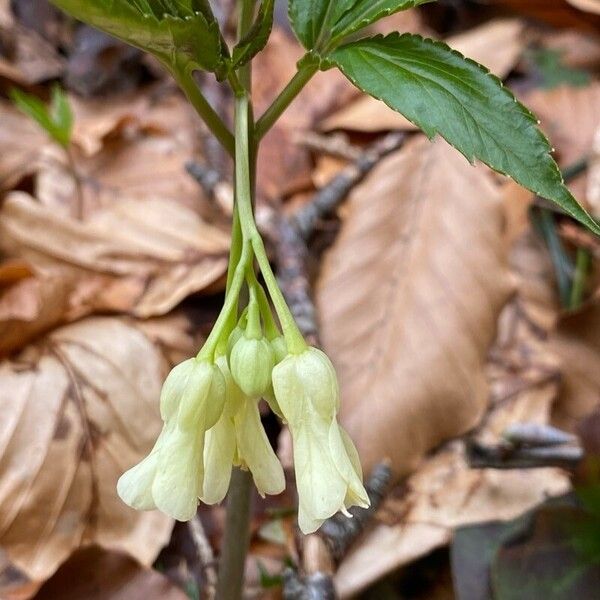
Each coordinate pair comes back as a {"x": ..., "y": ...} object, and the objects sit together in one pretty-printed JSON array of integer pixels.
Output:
[
  {"x": 577, "y": 49},
  {"x": 559, "y": 13},
  {"x": 570, "y": 117},
  {"x": 25, "y": 147},
  {"x": 26, "y": 57},
  {"x": 78, "y": 409},
  {"x": 94, "y": 574},
  {"x": 408, "y": 300},
  {"x": 593, "y": 182},
  {"x": 592, "y": 6},
  {"x": 140, "y": 257},
  {"x": 281, "y": 173},
  {"x": 577, "y": 342},
  {"x": 421, "y": 514},
  {"x": 497, "y": 44}
]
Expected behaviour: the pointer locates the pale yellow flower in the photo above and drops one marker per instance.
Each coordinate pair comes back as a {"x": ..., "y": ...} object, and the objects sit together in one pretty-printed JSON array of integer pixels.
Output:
[{"x": 328, "y": 473}]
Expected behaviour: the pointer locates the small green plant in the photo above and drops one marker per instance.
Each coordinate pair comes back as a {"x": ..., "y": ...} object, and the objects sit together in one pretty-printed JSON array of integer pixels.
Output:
[
  {"x": 56, "y": 119},
  {"x": 209, "y": 404}
]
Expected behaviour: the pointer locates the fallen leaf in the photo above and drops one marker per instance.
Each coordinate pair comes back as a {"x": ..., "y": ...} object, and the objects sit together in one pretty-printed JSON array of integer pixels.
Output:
[
  {"x": 281, "y": 173},
  {"x": 26, "y": 57},
  {"x": 26, "y": 148},
  {"x": 445, "y": 493},
  {"x": 577, "y": 342},
  {"x": 592, "y": 6},
  {"x": 409, "y": 343},
  {"x": 497, "y": 44},
  {"x": 559, "y": 13},
  {"x": 570, "y": 117},
  {"x": 95, "y": 574},
  {"x": 78, "y": 409},
  {"x": 140, "y": 257}
]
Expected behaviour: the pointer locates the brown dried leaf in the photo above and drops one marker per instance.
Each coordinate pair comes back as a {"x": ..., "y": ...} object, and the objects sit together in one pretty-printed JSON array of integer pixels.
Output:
[
  {"x": 497, "y": 44},
  {"x": 445, "y": 493},
  {"x": 78, "y": 409},
  {"x": 570, "y": 117},
  {"x": 577, "y": 342},
  {"x": 280, "y": 173},
  {"x": 94, "y": 574},
  {"x": 140, "y": 257},
  {"x": 409, "y": 298},
  {"x": 25, "y": 147},
  {"x": 27, "y": 58},
  {"x": 592, "y": 6}
]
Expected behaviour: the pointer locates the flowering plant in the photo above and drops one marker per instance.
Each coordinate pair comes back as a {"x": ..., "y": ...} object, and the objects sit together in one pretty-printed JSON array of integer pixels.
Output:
[{"x": 209, "y": 404}]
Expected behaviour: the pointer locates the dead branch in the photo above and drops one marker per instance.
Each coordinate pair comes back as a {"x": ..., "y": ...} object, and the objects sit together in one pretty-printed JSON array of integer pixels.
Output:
[{"x": 206, "y": 557}]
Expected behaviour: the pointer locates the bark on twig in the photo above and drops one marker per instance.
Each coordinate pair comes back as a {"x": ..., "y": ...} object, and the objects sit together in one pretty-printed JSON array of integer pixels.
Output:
[
  {"x": 206, "y": 556},
  {"x": 527, "y": 446},
  {"x": 291, "y": 234}
]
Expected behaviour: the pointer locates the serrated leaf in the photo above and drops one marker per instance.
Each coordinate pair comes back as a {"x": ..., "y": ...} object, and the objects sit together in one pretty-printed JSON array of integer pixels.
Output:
[
  {"x": 172, "y": 30},
  {"x": 319, "y": 22},
  {"x": 56, "y": 120},
  {"x": 257, "y": 37},
  {"x": 444, "y": 93}
]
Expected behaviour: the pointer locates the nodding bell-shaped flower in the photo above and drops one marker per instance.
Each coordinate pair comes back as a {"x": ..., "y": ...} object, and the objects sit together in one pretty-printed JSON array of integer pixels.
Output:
[
  {"x": 170, "y": 478},
  {"x": 328, "y": 472},
  {"x": 239, "y": 439},
  {"x": 251, "y": 362}
]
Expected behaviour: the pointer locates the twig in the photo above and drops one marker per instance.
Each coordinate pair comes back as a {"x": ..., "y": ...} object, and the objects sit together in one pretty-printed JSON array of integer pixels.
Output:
[
  {"x": 527, "y": 446},
  {"x": 336, "y": 144},
  {"x": 339, "y": 532},
  {"x": 313, "y": 587},
  {"x": 205, "y": 555},
  {"x": 335, "y": 192},
  {"x": 291, "y": 234}
]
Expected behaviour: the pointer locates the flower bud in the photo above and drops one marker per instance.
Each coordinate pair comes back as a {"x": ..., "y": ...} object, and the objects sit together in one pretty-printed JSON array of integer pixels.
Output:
[
  {"x": 251, "y": 364},
  {"x": 203, "y": 398},
  {"x": 174, "y": 387}
]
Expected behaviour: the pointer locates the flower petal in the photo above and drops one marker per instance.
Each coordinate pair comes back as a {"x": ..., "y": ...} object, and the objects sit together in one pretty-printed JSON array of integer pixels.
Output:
[
  {"x": 178, "y": 481},
  {"x": 219, "y": 449},
  {"x": 256, "y": 451}
]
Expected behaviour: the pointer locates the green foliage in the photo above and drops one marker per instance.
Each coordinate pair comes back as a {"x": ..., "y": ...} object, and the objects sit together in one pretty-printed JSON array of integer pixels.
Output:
[
  {"x": 257, "y": 38},
  {"x": 443, "y": 93},
  {"x": 324, "y": 23},
  {"x": 182, "y": 32},
  {"x": 554, "y": 73},
  {"x": 56, "y": 119}
]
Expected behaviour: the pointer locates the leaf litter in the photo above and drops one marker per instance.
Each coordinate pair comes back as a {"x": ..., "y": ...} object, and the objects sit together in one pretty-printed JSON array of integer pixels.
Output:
[{"x": 477, "y": 342}]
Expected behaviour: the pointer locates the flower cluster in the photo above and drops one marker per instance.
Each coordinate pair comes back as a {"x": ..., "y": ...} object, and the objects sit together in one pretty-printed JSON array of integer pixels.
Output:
[{"x": 210, "y": 410}]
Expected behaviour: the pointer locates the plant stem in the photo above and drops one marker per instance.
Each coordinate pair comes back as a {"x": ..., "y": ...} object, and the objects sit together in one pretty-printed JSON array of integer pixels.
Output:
[
  {"x": 306, "y": 70},
  {"x": 582, "y": 267},
  {"x": 293, "y": 337},
  {"x": 237, "y": 537},
  {"x": 185, "y": 80}
]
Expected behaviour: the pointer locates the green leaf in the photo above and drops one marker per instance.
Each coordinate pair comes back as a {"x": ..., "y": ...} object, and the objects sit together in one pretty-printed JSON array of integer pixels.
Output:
[
  {"x": 257, "y": 38},
  {"x": 175, "y": 31},
  {"x": 56, "y": 120},
  {"x": 444, "y": 93},
  {"x": 323, "y": 23}
]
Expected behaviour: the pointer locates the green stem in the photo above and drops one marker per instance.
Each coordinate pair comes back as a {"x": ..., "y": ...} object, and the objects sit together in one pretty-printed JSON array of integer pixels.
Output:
[
  {"x": 237, "y": 537},
  {"x": 229, "y": 307},
  {"x": 293, "y": 337},
  {"x": 582, "y": 267},
  {"x": 185, "y": 80},
  {"x": 306, "y": 70}
]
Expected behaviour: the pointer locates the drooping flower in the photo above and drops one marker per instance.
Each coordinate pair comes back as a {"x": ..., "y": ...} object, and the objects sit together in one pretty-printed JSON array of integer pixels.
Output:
[
  {"x": 239, "y": 439},
  {"x": 328, "y": 473},
  {"x": 170, "y": 478}
]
